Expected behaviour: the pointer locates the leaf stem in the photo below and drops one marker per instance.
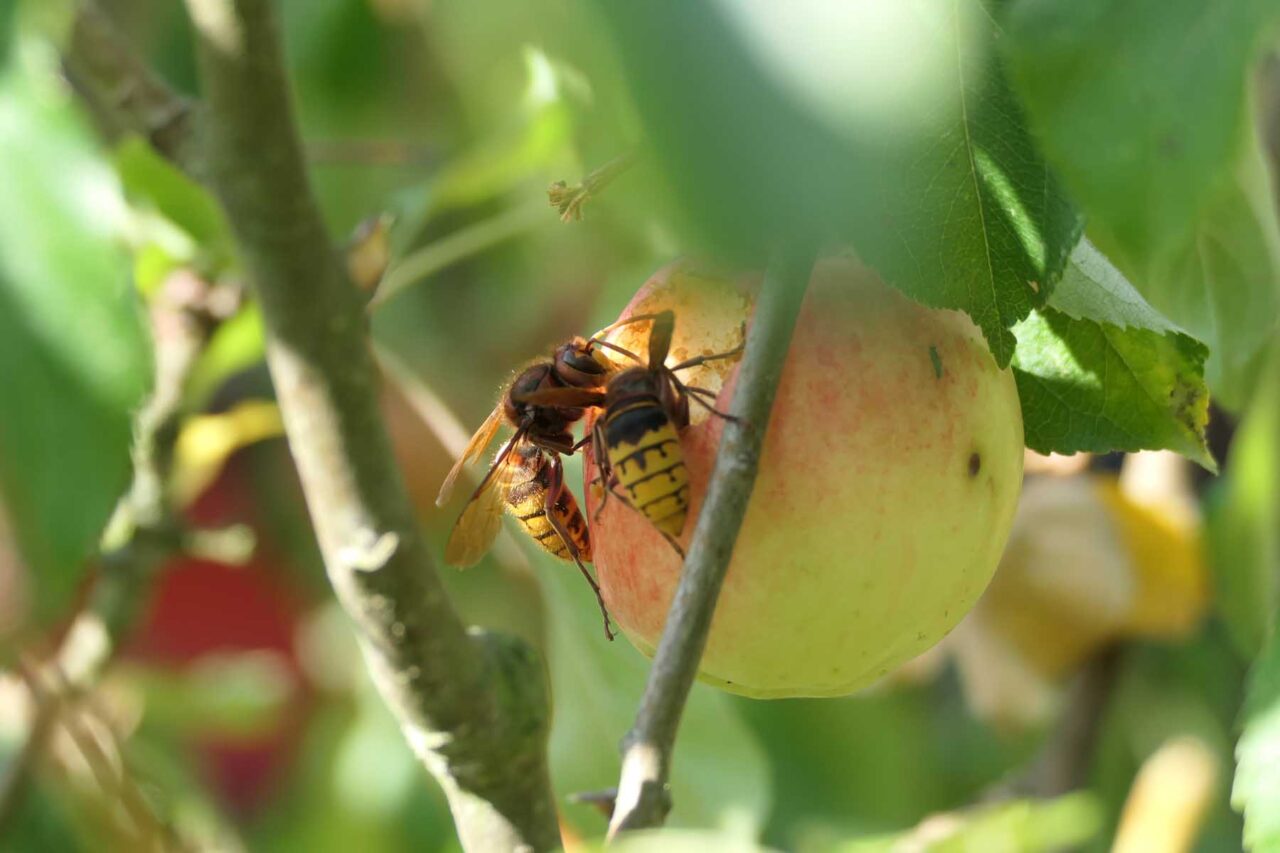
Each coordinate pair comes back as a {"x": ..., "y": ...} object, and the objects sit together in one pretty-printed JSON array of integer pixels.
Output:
[{"x": 643, "y": 795}]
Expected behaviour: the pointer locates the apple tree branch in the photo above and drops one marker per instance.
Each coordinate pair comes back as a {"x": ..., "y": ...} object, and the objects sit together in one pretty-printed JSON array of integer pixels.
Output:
[{"x": 472, "y": 705}]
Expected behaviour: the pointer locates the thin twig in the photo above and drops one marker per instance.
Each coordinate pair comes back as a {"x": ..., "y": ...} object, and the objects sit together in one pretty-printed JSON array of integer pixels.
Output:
[
  {"x": 569, "y": 200},
  {"x": 643, "y": 796},
  {"x": 459, "y": 245},
  {"x": 472, "y": 705},
  {"x": 91, "y": 742},
  {"x": 44, "y": 717}
]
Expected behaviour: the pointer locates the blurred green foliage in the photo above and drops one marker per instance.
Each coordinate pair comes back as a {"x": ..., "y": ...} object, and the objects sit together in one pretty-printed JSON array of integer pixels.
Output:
[
  {"x": 1067, "y": 822},
  {"x": 1257, "y": 785},
  {"x": 930, "y": 135},
  {"x": 74, "y": 356},
  {"x": 1244, "y": 520}
]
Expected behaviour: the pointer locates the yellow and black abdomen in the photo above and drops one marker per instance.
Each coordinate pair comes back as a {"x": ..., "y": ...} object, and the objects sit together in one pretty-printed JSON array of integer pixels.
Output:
[
  {"x": 527, "y": 502},
  {"x": 646, "y": 461}
]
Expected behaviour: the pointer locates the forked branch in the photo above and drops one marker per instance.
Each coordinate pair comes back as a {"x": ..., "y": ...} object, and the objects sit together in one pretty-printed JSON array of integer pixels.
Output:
[{"x": 472, "y": 706}]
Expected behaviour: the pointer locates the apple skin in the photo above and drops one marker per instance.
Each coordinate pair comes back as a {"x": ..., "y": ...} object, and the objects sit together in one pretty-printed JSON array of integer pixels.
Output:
[{"x": 887, "y": 486}]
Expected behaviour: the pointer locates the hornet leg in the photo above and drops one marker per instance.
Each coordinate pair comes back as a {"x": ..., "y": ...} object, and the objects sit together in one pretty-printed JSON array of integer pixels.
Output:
[{"x": 553, "y": 497}]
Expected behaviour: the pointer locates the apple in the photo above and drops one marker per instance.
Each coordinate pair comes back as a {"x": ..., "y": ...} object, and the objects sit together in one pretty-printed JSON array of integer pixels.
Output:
[{"x": 886, "y": 490}]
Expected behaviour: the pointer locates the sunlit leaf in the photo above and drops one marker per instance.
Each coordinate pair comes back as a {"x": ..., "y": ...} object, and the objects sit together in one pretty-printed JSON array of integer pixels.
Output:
[
  {"x": 1183, "y": 206},
  {"x": 1099, "y": 370},
  {"x": 1222, "y": 282},
  {"x": 149, "y": 179},
  {"x": 969, "y": 216},
  {"x": 953, "y": 204},
  {"x": 74, "y": 358},
  {"x": 1110, "y": 86}
]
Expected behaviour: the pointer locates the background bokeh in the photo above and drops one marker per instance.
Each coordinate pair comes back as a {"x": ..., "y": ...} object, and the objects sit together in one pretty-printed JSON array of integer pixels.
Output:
[{"x": 239, "y": 708}]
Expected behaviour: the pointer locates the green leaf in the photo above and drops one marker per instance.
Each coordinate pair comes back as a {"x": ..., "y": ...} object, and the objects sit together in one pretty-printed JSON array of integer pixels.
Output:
[
  {"x": 151, "y": 180},
  {"x": 1243, "y": 521},
  {"x": 236, "y": 345},
  {"x": 177, "y": 223},
  {"x": 1256, "y": 792},
  {"x": 720, "y": 778},
  {"x": 1181, "y": 204},
  {"x": 74, "y": 358},
  {"x": 949, "y": 199},
  {"x": 1222, "y": 282},
  {"x": 1110, "y": 87},
  {"x": 1098, "y": 370},
  {"x": 968, "y": 216}
]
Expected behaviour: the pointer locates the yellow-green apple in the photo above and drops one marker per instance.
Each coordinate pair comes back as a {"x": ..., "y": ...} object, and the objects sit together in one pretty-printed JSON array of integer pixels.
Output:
[{"x": 890, "y": 472}]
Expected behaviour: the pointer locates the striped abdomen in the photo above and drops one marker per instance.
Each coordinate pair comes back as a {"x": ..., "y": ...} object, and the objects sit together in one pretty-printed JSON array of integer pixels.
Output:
[
  {"x": 527, "y": 501},
  {"x": 645, "y": 458}
]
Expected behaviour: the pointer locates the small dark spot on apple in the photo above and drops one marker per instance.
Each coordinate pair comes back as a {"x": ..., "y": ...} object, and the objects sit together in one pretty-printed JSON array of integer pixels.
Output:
[
  {"x": 920, "y": 636},
  {"x": 937, "y": 362},
  {"x": 975, "y": 463}
]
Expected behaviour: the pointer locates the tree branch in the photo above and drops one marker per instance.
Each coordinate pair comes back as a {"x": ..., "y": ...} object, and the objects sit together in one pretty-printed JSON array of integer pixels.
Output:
[
  {"x": 472, "y": 705},
  {"x": 643, "y": 796},
  {"x": 117, "y": 84}
]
